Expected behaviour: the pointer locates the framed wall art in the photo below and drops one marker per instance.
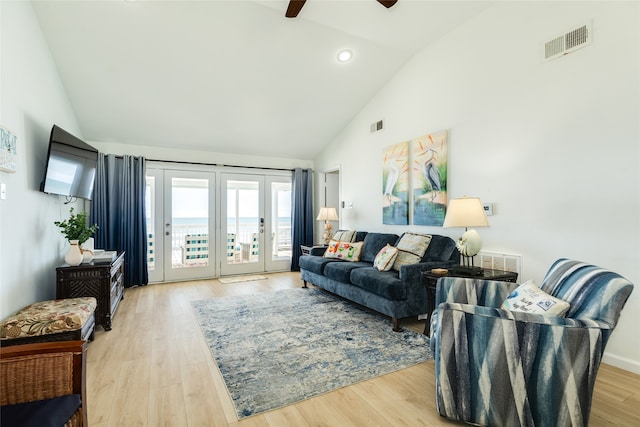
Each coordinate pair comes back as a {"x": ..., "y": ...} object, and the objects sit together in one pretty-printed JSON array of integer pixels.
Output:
[
  {"x": 8, "y": 153},
  {"x": 395, "y": 185},
  {"x": 429, "y": 178}
]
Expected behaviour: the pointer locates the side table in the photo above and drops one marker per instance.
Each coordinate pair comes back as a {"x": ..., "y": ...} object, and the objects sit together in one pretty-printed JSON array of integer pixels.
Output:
[{"x": 430, "y": 281}]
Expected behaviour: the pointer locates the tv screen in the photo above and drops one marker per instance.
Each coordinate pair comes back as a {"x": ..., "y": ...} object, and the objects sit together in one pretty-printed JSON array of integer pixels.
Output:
[{"x": 71, "y": 166}]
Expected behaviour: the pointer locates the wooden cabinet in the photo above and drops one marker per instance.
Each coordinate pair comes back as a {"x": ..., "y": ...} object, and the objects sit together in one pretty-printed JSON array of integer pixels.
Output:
[{"x": 103, "y": 281}]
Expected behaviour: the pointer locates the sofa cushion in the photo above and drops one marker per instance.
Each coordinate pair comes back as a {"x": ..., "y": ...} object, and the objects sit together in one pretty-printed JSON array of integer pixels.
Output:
[
  {"x": 441, "y": 248},
  {"x": 529, "y": 298},
  {"x": 373, "y": 242},
  {"x": 347, "y": 251},
  {"x": 411, "y": 248},
  {"x": 386, "y": 284},
  {"x": 341, "y": 271},
  {"x": 385, "y": 258},
  {"x": 360, "y": 235},
  {"x": 315, "y": 264},
  {"x": 345, "y": 235}
]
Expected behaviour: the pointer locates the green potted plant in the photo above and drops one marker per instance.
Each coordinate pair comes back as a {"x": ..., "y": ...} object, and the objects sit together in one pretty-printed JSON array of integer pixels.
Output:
[{"x": 77, "y": 232}]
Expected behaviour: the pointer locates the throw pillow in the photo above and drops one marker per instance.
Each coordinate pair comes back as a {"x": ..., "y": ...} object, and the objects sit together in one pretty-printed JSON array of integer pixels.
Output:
[
  {"x": 344, "y": 235},
  {"x": 385, "y": 258},
  {"x": 346, "y": 251},
  {"x": 411, "y": 248},
  {"x": 529, "y": 298}
]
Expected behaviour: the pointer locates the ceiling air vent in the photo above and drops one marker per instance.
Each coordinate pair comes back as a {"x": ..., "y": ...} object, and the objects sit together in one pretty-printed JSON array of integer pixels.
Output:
[
  {"x": 377, "y": 126},
  {"x": 568, "y": 42}
]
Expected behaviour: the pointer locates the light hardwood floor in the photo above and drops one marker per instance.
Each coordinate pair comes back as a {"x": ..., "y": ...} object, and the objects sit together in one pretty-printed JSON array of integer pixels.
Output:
[{"x": 154, "y": 369}]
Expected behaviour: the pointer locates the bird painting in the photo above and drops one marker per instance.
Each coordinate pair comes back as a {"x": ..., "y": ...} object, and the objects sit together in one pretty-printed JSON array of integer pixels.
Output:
[
  {"x": 429, "y": 178},
  {"x": 395, "y": 179}
]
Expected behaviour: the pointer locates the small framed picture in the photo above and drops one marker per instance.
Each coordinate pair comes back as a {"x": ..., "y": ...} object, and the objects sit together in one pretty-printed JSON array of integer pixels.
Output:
[{"x": 8, "y": 153}]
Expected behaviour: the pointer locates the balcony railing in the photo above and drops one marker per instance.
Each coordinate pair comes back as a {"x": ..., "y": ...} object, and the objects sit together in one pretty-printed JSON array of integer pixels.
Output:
[{"x": 281, "y": 243}]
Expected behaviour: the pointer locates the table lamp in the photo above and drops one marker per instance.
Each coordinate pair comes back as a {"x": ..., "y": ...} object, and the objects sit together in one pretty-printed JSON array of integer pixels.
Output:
[
  {"x": 467, "y": 212},
  {"x": 326, "y": 215}
]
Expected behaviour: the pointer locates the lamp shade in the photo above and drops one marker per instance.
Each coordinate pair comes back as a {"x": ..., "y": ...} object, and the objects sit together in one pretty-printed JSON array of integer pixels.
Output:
[
  {"x": 465, "y": 212},
  {"x": 327, "y": 214}
]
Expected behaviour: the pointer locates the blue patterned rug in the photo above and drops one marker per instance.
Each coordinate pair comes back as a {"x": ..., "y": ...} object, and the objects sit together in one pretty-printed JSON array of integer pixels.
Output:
[{"x": 277, "y": 348}]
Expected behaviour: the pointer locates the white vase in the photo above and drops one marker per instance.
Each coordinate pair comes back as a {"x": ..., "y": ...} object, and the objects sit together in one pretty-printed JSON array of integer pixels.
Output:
[{"x": 74, "y": 254}]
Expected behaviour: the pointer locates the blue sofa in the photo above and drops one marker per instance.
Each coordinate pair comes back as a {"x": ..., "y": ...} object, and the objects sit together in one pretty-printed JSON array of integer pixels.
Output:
[{"x": 397, "y": 294}]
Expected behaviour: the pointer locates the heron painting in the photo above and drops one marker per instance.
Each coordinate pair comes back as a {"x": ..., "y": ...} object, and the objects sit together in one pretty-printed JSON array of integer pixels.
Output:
[
  {"x": 395, "y": 185},
  {"x": 429, "y": 178}
]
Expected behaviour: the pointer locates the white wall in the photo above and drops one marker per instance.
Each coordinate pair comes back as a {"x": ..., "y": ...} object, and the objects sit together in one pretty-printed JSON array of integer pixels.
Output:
[
  {"x": 555, "y": 145},
  {"x": 32, "y": 100}
]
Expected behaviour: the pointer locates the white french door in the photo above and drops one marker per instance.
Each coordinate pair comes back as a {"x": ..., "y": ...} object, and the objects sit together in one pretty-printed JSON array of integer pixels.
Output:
[
  {"x": 203, "y": 224},
  {"x": 183, "y": 228},
  {"x": 257, "y": 231}
]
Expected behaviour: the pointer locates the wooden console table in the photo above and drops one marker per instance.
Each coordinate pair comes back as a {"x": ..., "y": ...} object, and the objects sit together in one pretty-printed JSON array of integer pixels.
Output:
[{"x": 104, "y": 281}]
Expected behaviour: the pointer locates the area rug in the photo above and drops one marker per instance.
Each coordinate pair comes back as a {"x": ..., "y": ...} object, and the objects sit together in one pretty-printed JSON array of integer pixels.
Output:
[
  {"x": 244, "y": 278},
  {"x": 277, "y": 348}
]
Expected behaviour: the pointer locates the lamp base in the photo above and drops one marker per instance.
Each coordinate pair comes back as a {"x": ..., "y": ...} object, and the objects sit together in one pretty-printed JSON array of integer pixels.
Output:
[
  {"x": 467, "y": 268},
  {"x": 326, "y": 236}
]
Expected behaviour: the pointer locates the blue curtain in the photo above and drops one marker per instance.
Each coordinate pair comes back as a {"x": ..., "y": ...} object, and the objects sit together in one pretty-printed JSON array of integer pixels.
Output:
[
  {"x": 302, "y": 213},
  {"x": 118, "y": 207}
]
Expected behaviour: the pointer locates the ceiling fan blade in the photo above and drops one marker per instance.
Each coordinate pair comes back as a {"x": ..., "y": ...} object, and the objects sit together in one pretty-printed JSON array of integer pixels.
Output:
[
  {"x": 387, "y": 3},
  {"x": 294, "y": 8}
]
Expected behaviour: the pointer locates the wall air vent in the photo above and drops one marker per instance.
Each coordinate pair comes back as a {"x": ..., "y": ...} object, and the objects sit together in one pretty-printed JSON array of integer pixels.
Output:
[
  {"x": 377, "y": 126},
  {"x": 568, "y": 42}
]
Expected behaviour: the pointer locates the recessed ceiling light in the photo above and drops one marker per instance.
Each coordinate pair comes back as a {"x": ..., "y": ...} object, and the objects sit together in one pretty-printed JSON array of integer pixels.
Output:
[{"x": 345, "y": 55}]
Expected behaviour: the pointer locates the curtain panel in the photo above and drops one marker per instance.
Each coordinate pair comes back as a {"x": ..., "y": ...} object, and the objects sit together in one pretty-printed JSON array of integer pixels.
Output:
[
  {"x": 118, "y": 207},
  {"x": 302, "y": 213}
]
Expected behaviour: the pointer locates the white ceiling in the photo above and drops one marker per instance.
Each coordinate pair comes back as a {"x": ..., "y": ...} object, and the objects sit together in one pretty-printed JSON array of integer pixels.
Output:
[{"x": 233, "y": 76}]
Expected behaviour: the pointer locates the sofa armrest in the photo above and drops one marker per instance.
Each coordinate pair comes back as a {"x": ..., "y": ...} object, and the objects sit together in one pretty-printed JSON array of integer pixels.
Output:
[
  {"x": 412, "y": 273},
  {"x": 317, "y": 250}
]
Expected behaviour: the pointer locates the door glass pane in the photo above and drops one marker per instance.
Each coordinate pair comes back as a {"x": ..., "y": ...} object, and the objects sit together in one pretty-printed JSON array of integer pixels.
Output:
[
  {"x": 243, "y": 222},
  {"x": 189, "y": 222},
  {"x": 150, "y": 214},
  {"x": 281, "y": 220}
]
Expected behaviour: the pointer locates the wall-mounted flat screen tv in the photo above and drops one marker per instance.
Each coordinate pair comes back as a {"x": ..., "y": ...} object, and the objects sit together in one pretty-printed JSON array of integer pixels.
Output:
[{"x": 71, "y": 166}]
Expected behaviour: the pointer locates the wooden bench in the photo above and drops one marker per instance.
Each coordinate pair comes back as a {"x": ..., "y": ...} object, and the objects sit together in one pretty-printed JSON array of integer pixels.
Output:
[{"x": 54, "y": 320}]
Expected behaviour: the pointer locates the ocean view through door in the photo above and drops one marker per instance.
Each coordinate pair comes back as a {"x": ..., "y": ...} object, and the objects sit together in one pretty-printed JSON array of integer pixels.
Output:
[
  {"x": 180, "y": 225},
  {"x": 258, "y": 223},
  {"x": 193, "y": 234}
]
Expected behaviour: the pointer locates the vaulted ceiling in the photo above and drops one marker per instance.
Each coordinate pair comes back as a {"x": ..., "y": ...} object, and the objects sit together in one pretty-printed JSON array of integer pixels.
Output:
[{"x": 233, "y": 76}]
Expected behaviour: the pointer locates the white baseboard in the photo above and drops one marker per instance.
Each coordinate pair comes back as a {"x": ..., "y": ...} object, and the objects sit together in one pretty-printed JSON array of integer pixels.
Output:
[{"x": 621, "y": 362}]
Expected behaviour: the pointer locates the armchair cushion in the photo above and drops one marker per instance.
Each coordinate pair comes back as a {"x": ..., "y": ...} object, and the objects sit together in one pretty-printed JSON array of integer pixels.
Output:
[{"x": 529, "y": 298}]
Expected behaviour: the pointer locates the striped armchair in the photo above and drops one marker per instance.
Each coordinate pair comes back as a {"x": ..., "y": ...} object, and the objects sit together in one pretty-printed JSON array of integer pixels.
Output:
[{"x": 504, "y": 368}]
